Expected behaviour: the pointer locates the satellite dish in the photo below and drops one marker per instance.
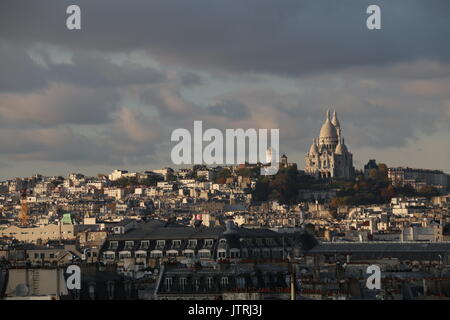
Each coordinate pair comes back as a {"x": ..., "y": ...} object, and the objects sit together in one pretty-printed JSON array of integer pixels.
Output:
[{"x": 21, "y": 290}]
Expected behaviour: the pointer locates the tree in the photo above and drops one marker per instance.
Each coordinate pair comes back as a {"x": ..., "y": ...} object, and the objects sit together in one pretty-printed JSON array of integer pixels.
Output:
[
  {"x": 428, "y": 191},
  {"x": 373, "y": 174},
  {"x": 285, "y": 183},
  {"x": 223, "y": 173},
  {"x": 171, "y": 176},
  {"x": 221, "y": 180},
  {"x": 262, "y": 190},
  {"x": 249, "y": 172},
  {"x": 383, "y": 172},
  {"x": 388, "y": 192},
  {"x": 151, "y": 180}
]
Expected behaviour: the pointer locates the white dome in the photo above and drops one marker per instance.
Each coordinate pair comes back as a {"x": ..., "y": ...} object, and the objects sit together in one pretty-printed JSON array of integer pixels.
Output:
[
  {"x": 341, "y": 148},
  {"x": 328, "y": 130},
  {"x": 313, "y": 150}
]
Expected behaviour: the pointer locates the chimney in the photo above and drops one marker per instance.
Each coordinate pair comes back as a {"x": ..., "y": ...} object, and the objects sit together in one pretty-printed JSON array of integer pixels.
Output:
[{"x": 230, "y": 227}]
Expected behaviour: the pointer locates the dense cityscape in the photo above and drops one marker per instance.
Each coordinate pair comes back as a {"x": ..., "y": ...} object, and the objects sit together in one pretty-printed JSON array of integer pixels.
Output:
[
  {"x": 217, "y": 159},
  {"x": 228, "y": 233}
]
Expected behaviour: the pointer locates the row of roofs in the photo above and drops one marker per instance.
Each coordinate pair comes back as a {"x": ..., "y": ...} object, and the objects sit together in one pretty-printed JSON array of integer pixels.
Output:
[{"x": 157, "y": 234}]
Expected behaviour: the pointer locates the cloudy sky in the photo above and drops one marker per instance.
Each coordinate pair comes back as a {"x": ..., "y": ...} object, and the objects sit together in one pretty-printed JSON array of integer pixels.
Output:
[{"x": 109, "y": 96}]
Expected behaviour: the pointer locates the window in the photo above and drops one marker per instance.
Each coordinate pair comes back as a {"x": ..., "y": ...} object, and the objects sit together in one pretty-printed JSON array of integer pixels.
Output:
[
  {"x": 168, "y": 283},
  {"x": 172, "y": 253},
  {"x": 209, "y": 282},
  {"x": 240, "y": 282},
  {"x": 51, "y": 255},
  {"x": 176, "y": 243},
  {"x": 145, "y": 244},
  {"x": 197, "y": 284},
  {"x": 129, "y": 245},
  {"x": 125, "y": 255},
  {"x": 156, "y": 254},
  {"x": 224, "y": 281},
  {"x": 222, "y": 254},
  {"x": 204, "y": 254},
  {"x": 192, "y": 243},
  {"x": 223, "y": 241},
  {"x": 209, "y": 243},
  {"x": 160, "y": 243},
  {"x": 234, "y": 253},
  {"x": 109, "y": 255},
  {"x": 113, "y": 245},
  {"x": 183, "y": 283}
]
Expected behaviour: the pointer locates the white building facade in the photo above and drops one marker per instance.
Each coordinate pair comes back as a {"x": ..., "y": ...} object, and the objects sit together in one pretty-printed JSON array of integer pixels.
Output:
[{"x": 328, "y": 156}]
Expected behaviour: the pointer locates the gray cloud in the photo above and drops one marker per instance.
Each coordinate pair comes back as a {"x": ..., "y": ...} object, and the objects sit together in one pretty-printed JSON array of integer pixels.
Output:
[
  {"x": 58, "y": 104},
  {"x": 260, "y": 63},
  {"x": 19, "y": 72},
  {"x": 94, "y": 70},
  {"x": 290, "y": 37},
  {"x": 232, "y": 110}
]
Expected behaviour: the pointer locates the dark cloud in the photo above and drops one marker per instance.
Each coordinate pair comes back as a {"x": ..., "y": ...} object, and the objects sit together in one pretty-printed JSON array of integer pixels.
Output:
[
  {"x": 288, "y": 37},
  {"x": 19, "y": 73},
  {"x": 94, "y": 70},
  {"x": 389, "y": 86}
]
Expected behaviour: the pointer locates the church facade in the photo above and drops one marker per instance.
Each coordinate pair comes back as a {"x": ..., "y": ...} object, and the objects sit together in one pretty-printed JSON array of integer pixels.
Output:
[{"x": 328, "y": 156}]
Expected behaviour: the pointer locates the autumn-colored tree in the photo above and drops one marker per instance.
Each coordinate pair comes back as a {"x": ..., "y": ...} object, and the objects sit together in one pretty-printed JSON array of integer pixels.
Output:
[
  {"x": 221, "y": 180},
  {"x": 382, "y": 172},
  {"x": 388, "y": 192}
]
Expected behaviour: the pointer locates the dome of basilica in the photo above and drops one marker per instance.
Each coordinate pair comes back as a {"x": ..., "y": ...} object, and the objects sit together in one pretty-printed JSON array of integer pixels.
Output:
[{"x": 328, "y": 130}]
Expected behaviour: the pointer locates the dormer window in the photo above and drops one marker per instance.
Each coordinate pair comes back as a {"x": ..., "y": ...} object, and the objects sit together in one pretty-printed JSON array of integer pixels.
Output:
[
  {"x": 113, "y": 245},
  {"x": 192, "y": 243},
  {"x": 145, "y": 244},
  {"x": 176, "y": 243},
  {"x": 129, "y": 245},
  {"x": 160, "y": 243},
  {"x": 209, "y": 243},
  {"x": 223, "y": 241}
]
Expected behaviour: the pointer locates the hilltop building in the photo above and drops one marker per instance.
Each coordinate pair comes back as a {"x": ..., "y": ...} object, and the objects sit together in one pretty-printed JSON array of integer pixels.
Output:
[{"x": 328, "y": 156}]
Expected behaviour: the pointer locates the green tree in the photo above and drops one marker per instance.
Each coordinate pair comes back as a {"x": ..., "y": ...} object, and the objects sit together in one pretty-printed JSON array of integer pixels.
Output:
[{"x": 262, "y": 190}]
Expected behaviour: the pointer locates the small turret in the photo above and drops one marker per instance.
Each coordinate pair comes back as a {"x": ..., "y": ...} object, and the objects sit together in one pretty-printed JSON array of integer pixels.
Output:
[
  {"x": 313, "y": 150},
  {"x": 336, "y": 124}
]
